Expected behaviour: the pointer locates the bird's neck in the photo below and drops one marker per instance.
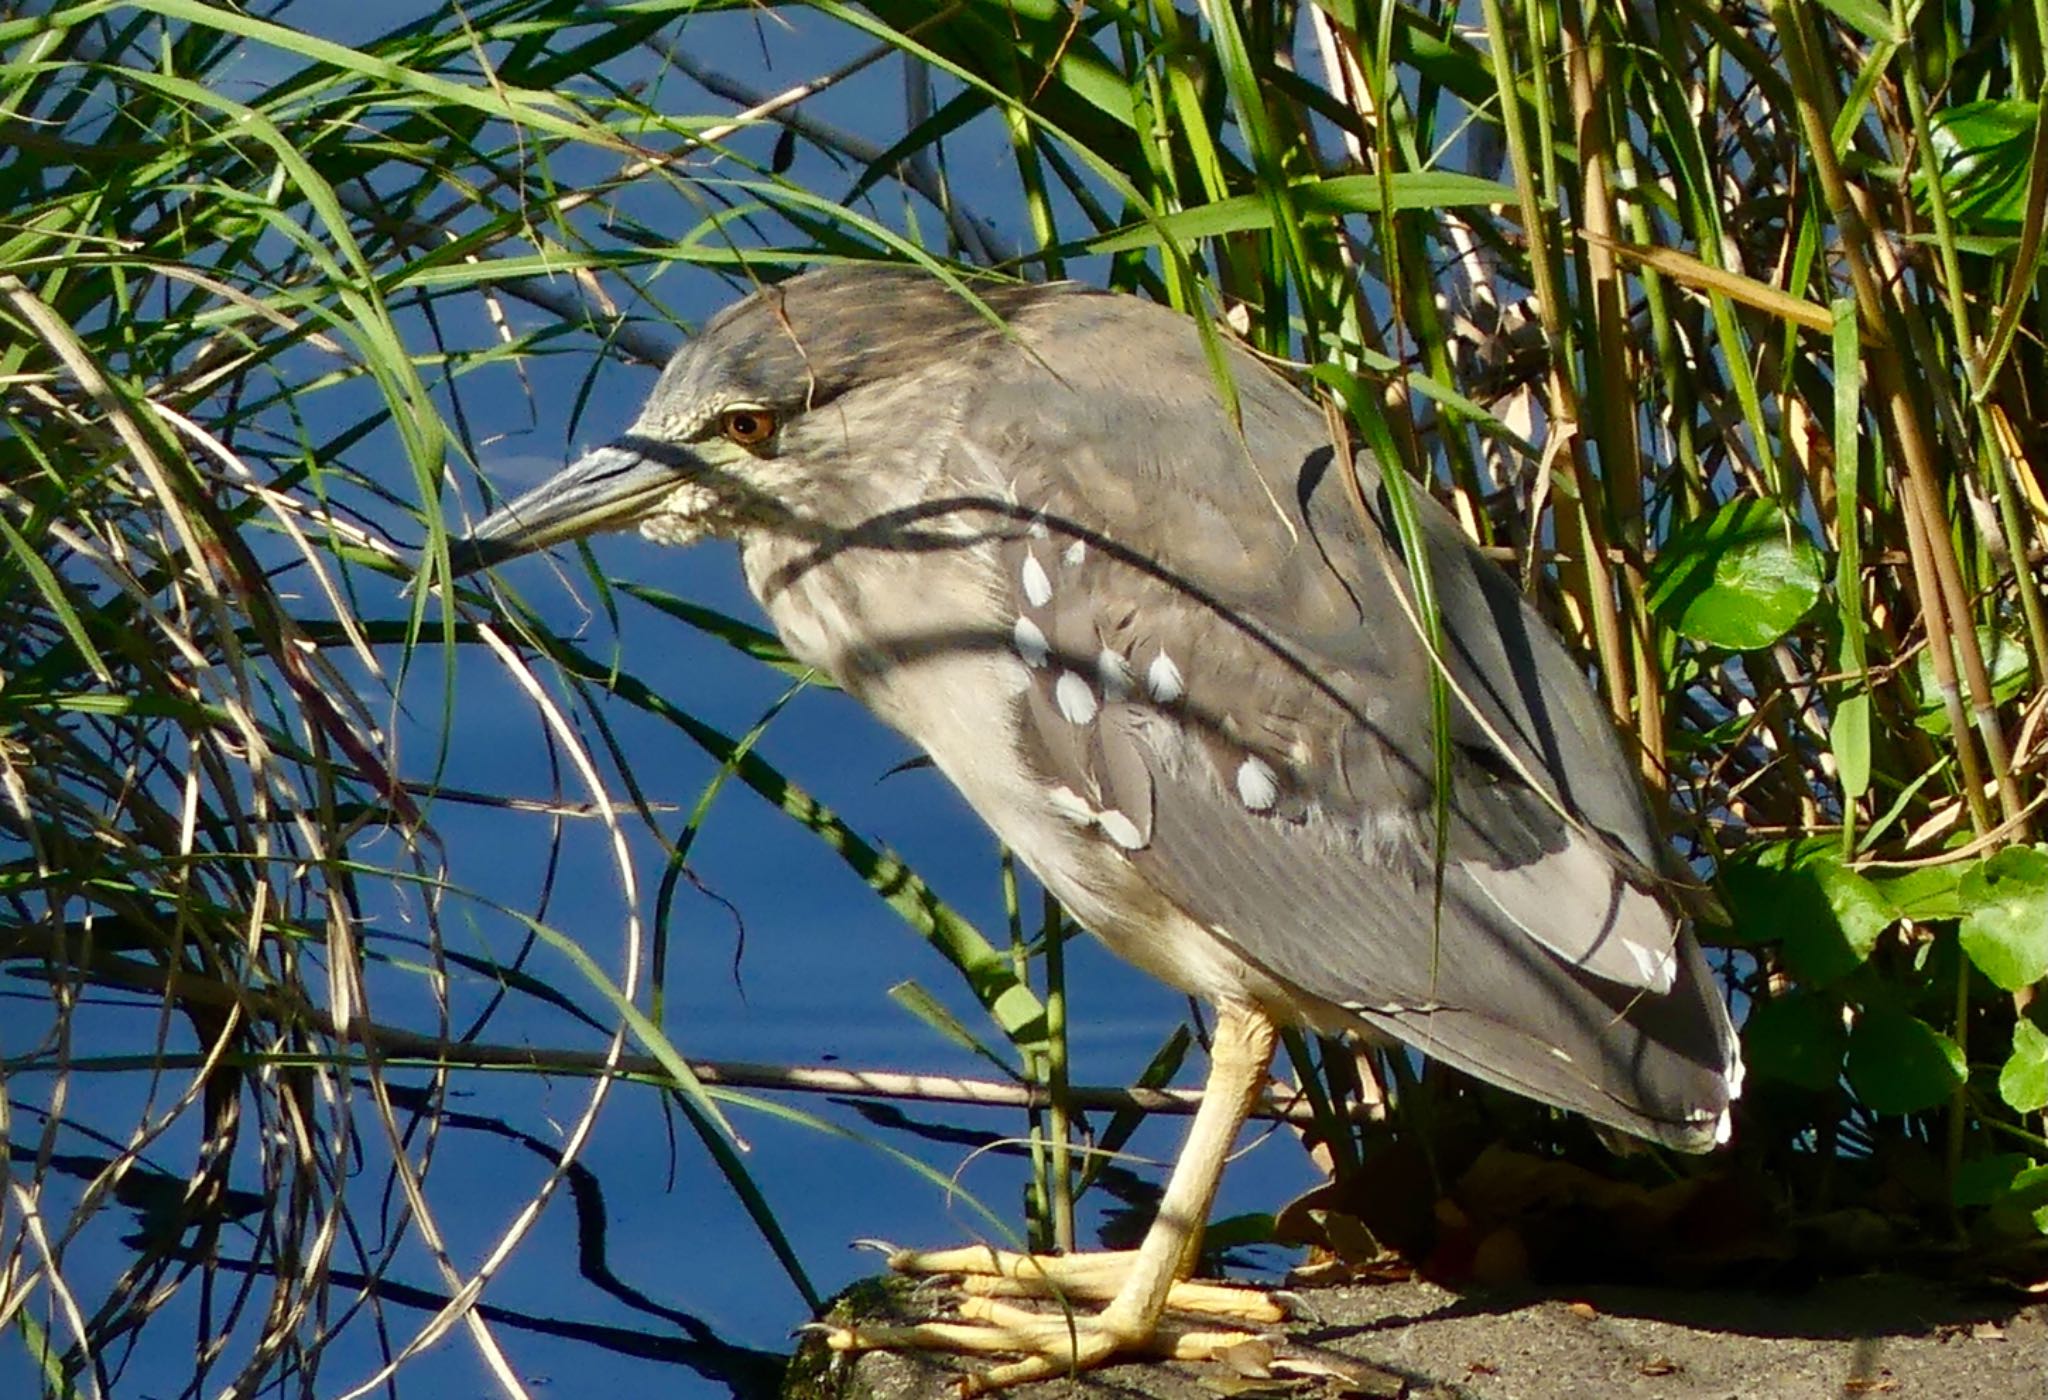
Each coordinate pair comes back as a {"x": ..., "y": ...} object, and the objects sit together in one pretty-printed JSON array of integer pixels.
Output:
[{"x": 874, "y": 601}]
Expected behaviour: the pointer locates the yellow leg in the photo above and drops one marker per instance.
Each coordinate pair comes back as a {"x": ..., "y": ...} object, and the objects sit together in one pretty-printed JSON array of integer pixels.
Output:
[{"x": 1140, "y": 1284}]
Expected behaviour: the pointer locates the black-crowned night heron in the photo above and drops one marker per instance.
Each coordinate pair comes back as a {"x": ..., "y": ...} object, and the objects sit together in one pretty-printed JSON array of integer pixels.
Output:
[{"x": 1172, "y": 657}]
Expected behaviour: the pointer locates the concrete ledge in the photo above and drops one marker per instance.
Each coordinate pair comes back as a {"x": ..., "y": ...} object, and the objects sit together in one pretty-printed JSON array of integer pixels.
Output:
[{"x": 1879, "y": 1336}]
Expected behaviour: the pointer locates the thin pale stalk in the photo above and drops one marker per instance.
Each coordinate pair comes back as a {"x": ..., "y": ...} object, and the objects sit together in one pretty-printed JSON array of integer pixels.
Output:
[
  {"x": 1633, "y": 693},
  {"x": 1597, "y": 589},
  {"x": 1059, "y": 1102}
]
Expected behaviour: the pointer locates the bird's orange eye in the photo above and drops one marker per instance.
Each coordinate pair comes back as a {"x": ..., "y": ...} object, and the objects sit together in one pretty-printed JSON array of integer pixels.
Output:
[{"x": 749, "y": 427}]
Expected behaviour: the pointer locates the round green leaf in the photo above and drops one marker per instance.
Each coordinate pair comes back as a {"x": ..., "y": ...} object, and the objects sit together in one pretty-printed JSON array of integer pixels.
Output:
[
  {"x": 2005, "y": 917},
  {"x": 1927, "y": 894},
  {"x": 1841, "y": 940},
  {"x": 1982, "y": 1180},
  {"x": 1900, "y": 1064},
  {"x": 1798, "y": 1038},
  {"x": 1826, "y": 916},
  {"x": 2023, "y": 1083},
  {"x": 1740, "y": 579},
  {"x": 2018, "y": 1204}
]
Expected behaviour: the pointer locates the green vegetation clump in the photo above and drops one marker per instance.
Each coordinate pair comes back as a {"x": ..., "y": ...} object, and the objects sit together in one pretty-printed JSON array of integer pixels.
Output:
[{"x": 1721, "y": 327}]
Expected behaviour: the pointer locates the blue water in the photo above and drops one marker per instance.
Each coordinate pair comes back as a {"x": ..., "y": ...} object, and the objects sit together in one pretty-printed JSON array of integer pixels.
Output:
[{"x": 810, "y": 986}]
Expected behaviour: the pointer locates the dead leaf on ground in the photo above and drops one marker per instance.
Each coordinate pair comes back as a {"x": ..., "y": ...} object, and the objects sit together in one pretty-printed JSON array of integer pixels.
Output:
[
  {"x": 1252, "y": 1357},
  {"x": 1348, "y": 1375}
]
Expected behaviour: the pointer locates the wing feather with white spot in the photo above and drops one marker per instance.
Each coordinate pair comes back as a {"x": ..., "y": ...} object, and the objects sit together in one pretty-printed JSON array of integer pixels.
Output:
[{"x": 1228, "y": 692}]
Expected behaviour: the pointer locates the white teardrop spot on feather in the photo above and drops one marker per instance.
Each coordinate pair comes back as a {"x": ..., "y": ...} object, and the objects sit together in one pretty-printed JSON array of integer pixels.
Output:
[
  {"x": 1256, "y": 785},
  {"x": 1071, "y": 805},
  {"x": 1113, "y": 674},
  {"x": 1121, "y": 829},
  {"x": 1037, "y": 584},
  {"x": 1029, "y": 639},
  {"x": 1164, "y": 680},
  {"x": 1075, "y": 699},
  {"x": 1074, "y": 553}
]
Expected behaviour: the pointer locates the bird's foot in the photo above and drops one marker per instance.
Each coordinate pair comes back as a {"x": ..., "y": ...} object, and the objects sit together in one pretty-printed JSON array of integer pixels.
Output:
[
  {"x": 1055, "y": 1343},
  {"x": 1048, "y": 1344},
  {"x": 1095, "y": 1277}
]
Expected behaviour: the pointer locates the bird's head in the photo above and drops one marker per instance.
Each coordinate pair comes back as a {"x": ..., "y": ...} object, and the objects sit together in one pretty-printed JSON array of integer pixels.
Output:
[{"x": 793, "y": 396}]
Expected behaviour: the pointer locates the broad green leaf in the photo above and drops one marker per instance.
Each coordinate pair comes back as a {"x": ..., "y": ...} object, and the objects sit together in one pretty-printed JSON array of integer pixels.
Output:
[
  {"x": 1900, "y": 1064},
  {"x": 1840, "y": 938},
  {"x": 2005, "y": 917},
  {"x": 1825, "y": 916},
  {"x": 2012, "y": 1187},
  {"x": 2023, "y": 1083},
  {"x": 1983, "y": 1180},
  {"x": 1929, "y": 894},
  {"x": 2004, "y": 658},
  {"x": 2021, "y": 1211},
  {"x": 1985, "y": 151},
  {"x": 1799, "y": 1039},
  {"x": 1740, "y": 579}
]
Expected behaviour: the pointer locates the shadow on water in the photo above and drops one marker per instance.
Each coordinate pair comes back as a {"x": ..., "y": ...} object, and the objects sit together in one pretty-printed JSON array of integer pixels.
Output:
[
  {"x": 168, "y": 1231},
  {"x": 749, "y": 1374}
]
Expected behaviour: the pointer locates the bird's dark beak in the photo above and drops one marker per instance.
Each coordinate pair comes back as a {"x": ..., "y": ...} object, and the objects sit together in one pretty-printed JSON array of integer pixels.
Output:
[{"x": 608, "y": 489}]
